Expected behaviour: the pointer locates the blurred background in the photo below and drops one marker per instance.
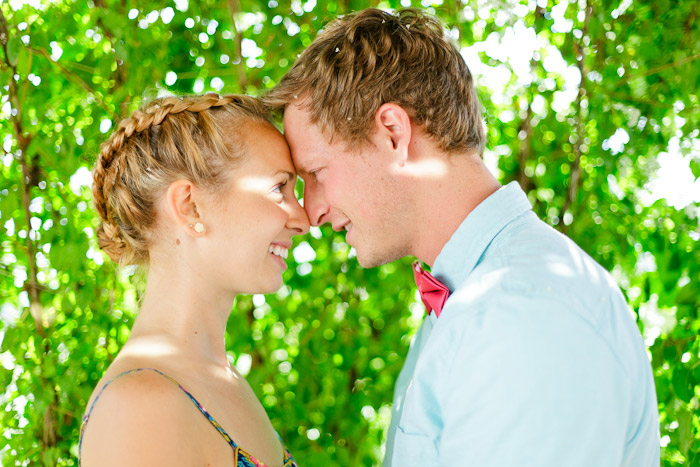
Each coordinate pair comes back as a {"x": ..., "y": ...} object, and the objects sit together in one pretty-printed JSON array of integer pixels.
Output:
[{"x": 591, "y": 105}]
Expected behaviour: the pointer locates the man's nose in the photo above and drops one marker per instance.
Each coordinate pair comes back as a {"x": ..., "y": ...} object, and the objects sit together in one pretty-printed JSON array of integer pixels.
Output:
[{"x": 315, "y": 205}]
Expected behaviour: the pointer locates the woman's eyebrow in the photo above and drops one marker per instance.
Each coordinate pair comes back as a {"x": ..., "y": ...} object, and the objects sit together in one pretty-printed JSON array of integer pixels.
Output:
[{"x": 290, "y": 175}]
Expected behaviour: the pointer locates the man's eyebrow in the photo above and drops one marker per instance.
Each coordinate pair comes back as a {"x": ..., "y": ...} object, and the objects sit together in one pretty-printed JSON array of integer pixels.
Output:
[
  {"x": 302, "y": 172},
  {"x": 309, "y": 166}
]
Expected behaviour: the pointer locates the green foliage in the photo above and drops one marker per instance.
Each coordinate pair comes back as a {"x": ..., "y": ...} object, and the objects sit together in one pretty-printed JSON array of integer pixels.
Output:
[{"x": 327, "y": 348}]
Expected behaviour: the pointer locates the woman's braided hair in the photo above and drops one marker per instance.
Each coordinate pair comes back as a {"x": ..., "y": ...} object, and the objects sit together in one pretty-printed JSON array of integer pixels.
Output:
[{"x": 195, "y": 138}]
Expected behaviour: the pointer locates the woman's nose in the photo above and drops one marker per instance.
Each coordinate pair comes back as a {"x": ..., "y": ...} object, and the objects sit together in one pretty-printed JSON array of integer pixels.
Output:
[{"x": 298, "y": 219}]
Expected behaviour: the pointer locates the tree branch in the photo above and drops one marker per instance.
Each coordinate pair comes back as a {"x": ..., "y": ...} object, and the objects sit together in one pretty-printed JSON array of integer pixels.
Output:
[
  {"x": 23, "y": 141},
  {"x": 636, "y": 100},
  {"x": 525, "y": 149},
  {"x": 575, "y": 179},
  {"x": 48, "y": 425},
  {"x": 75, "y": 79},
  {"x": 660, "y": 68},
  {"x": 120, "y": 73}
]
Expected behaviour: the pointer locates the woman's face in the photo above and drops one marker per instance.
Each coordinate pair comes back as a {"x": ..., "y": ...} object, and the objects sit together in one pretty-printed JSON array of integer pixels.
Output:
[{"x": 251, "y": 226}]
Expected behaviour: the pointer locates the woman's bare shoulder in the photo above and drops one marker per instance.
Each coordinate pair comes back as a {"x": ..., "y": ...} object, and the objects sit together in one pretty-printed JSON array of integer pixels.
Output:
[{"x": 141, "y": 418}]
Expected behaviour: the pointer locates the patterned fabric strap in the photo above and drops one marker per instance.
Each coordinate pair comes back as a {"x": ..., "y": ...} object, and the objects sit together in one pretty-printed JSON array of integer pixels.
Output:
[{"x": 242, "y": 457}]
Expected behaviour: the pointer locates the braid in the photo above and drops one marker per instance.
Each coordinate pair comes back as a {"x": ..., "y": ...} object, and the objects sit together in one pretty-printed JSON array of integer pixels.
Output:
[{"x": 168, "y": 136}]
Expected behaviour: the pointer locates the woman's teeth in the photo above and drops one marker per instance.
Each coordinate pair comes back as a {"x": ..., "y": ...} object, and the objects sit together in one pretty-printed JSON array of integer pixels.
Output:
[{"x": 278, "y": 250}]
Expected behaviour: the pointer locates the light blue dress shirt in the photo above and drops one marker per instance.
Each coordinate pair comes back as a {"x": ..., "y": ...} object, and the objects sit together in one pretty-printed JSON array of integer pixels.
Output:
[{"x": 536, "y": 359}]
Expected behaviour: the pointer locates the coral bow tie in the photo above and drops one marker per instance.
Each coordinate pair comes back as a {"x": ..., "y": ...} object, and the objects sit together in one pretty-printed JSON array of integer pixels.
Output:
[{"x": 433, "y": 292}]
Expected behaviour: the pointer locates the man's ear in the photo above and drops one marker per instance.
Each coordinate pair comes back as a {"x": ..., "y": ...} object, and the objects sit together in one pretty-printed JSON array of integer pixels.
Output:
[
  {"x": 181, "y": 199},
  {"x": 393, "y": 129}
]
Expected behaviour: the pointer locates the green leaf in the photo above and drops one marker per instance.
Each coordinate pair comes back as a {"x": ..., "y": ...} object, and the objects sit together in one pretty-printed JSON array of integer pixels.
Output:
[
  {"x": 682, "y": 385},
  {"x": 695, "y": 167},
  {"x": 13, "y": 48}
]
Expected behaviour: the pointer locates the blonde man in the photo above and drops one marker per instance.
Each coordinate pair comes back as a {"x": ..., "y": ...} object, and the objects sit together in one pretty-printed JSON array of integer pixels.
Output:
[{"x": 529, "y": 355}]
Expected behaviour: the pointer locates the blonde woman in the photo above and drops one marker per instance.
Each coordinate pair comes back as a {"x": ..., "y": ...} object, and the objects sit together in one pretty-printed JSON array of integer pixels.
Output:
[{"x": 200, "y": 190}]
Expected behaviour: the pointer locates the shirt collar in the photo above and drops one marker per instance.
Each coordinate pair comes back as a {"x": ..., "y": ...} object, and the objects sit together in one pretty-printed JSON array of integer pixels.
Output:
[{"x": 461, "y": 253}]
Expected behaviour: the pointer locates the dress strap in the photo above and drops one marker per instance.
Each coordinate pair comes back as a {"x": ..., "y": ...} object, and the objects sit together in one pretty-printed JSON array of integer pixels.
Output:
[{"x": 199, "y": 406}]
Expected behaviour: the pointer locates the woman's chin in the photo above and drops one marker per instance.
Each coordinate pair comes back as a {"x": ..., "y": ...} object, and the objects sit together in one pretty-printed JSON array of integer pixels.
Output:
[{"x": 268, "y": 288}]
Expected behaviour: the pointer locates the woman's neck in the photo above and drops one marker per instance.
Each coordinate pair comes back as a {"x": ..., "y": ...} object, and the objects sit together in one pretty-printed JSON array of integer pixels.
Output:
[{"x": 185, "y": 311}]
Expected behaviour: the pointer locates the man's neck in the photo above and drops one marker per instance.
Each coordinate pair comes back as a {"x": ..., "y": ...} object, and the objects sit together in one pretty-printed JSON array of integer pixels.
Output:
[{"x": 447, "y": 201}]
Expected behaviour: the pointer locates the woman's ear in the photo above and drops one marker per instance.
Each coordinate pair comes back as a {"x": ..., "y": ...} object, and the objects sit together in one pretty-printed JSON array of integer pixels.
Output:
[
  {"x": 393, "y": 130},
  {"x": 181, "y": 198}
]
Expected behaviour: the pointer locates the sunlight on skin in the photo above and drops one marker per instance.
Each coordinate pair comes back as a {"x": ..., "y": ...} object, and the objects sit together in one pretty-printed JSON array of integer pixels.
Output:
[
  {"x": 253, "y": 184},
  {"x": 151, "y": 350},
  {"x": 432, "y": 168}
]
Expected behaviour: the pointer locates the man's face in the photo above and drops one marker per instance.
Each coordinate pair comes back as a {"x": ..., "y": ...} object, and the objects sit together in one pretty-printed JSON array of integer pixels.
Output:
[{"x": 353, "y": 190}]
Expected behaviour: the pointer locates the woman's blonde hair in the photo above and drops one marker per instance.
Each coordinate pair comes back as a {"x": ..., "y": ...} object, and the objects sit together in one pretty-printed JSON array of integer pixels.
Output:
[{"x": 195, "y": 138}]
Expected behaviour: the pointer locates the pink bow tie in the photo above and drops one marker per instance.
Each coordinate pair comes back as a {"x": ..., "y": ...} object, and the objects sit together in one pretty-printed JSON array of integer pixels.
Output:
[{"x": 433, "y": 292}]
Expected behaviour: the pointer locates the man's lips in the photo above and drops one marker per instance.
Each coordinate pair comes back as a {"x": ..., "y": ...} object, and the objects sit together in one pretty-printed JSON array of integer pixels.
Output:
[
  {"x": 347, "y": 226},
  {"x": 349, "y": 233}
]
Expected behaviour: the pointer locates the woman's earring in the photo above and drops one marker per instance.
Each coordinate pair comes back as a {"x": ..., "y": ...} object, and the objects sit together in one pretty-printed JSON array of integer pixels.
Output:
[{"x": 198, "y": 227}]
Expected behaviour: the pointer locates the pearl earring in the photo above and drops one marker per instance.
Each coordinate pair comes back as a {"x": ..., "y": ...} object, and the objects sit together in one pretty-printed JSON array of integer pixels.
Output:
[{"x": 198, "y": 227}]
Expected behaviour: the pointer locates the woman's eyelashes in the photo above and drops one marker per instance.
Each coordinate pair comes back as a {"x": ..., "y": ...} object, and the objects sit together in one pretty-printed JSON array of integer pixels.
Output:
[
  {"x": 281, "y": 187},
  {"x": 278, "y": 188}
]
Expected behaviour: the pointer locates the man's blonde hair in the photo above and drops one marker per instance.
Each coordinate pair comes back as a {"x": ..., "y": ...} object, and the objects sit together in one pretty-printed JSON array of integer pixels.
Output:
[{"x": 363, "y": 60}]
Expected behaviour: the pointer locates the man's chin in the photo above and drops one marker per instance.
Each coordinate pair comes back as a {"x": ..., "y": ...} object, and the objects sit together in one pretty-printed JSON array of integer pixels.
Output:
[{"x": 374, "y": 259}]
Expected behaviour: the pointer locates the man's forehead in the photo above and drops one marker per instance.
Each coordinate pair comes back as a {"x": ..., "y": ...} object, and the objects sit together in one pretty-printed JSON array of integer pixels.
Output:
[
  {"x": 306, "y": 140},
  {"x": 296, "y": 115},
  {"x": 301, "y": 127}
]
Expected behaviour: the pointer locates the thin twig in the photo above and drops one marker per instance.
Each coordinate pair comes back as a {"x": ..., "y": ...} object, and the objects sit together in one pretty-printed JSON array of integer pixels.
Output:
[
  {"x": 525, "y": 148},
  {"x": 75, "y": 79},
  {"x": 26, "y": 83},
  {"x": 234, "y": 7},
  {"x": 637, "y": 100},
  {"x": 660, "y": 68}
]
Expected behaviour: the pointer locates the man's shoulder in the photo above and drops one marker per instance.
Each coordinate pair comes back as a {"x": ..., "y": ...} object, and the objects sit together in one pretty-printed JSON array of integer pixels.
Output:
[
  {"x": 532, "y": 258},
  {"x": 533, "y": 277},
  {"x": 538, "y": 270}
]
